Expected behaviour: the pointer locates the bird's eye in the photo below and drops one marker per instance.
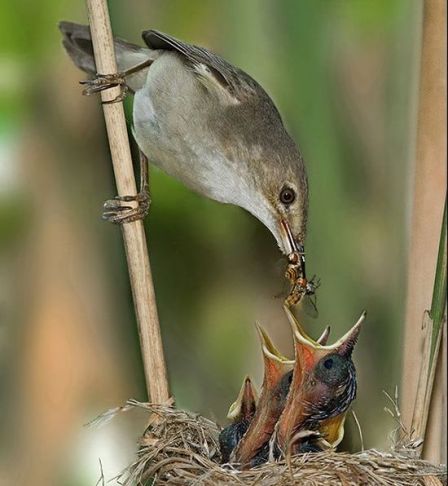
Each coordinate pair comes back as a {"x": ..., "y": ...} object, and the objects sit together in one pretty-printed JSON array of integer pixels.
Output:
[
  {"x": 328, "y": 363},
  {"x": 287, "y": 196},
  {"x": 333, "y": 370}
]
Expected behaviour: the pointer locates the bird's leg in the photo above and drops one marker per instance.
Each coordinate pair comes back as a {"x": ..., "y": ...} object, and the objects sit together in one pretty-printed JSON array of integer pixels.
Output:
[
  {"x": 117, "y": 212},
  {"x": 105, "y": 81}
]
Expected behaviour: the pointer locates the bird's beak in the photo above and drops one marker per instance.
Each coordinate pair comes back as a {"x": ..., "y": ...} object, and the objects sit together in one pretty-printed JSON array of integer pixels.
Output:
[
  {"x": 308, "y": 353},
  {"x": 292, "y": 245},
  {"x": 245, "y": 405},
  {"x": 324, "y": 336},
  {"x": 343, "y": 346},
  {"x": 293, "y": 413},
  {"x": 275, "y": 364},
  {"x": 270, "y": 403},
  {"x": 297, "y": 329}
]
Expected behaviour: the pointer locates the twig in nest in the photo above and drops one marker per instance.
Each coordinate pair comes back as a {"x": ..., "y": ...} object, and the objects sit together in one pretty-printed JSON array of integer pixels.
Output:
[
  {"x": 401, "y": 436},
  {"x": 361, "y": 438}
]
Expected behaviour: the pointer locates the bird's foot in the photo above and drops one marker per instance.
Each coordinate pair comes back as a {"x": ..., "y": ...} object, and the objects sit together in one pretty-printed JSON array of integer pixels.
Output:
[
  {"x": 118, "y": 213},
  {"x": 105, "y": 81}
]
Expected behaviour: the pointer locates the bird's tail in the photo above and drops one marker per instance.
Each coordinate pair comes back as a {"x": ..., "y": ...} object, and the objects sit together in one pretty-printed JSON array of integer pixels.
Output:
[{"x": 77, "y": 42}]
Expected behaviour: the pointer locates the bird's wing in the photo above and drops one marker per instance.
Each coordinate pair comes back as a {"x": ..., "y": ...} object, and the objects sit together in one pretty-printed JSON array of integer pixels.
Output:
[{"x": 212, "y": 70}]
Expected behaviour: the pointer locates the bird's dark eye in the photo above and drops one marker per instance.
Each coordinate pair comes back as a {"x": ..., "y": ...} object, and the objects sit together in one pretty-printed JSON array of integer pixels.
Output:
[
  {"x": 287, "y": 196},
  {"x": 328, "y": 363},
  {"x": 333, "y": 370}
]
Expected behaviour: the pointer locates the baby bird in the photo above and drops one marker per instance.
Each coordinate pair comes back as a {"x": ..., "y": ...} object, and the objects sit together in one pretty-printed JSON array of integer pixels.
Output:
[
  {"x": 241, "y": 413},
  {"x": 303, "y": 403},
  {"x": 322, "y": 389}
]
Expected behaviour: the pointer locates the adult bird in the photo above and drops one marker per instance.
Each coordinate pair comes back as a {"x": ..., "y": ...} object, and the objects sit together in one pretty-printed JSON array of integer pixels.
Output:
[{"x": 208, "y": 124}]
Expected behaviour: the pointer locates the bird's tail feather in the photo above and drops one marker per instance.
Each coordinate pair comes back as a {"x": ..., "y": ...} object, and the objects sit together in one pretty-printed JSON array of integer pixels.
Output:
[{"x": 77, "y": 42}]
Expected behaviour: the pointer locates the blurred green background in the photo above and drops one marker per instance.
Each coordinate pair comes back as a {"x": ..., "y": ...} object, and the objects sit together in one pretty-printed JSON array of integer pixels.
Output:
[{"x": 343, "y": 74}]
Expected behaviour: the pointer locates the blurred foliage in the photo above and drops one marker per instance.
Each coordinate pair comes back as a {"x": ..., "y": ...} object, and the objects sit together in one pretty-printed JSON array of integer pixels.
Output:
[{"x": 342, "y": 73}]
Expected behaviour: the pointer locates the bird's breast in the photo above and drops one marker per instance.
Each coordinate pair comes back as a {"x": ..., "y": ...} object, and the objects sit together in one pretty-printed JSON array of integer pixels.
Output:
[{"x": 185, "y": 149}]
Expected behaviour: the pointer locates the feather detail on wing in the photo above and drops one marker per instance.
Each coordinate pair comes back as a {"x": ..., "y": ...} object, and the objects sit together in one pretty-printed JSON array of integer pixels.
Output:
[
  {"x": 211, "y": 83},
  {"x": 229, "y": 83}
]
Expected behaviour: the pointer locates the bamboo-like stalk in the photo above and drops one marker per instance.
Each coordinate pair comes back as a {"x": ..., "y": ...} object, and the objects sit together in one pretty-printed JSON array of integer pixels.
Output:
[
  {"x": 433, "y": 325},
  {"x": 428, "y": 201},
  {"x": 133, "y": 233}
]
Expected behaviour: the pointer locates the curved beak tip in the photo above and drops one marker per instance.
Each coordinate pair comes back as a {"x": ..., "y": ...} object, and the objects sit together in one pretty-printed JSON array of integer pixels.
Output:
[
  {"x": 323, "y": 339},
  {"x": 262, "y": 335},
  {"x": 360, "y": 320}
]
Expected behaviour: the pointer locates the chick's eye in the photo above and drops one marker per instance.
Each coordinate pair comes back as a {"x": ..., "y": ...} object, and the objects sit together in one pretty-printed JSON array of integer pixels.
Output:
[
  {"x": 328, "y": 363},
  {"x": 333, "y": 370},
  {"x": 287, "y": 196}
]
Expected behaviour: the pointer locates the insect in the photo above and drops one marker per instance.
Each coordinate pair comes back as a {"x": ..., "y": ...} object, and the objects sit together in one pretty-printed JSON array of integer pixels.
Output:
[{"x": 301, "y": 286}]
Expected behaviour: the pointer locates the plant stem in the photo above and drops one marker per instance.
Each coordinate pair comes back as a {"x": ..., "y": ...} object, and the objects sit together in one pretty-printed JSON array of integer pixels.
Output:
[
  {"x": 133, "y": 233},
  {"x": 433, "y": 325},
  {"x": 438, "y": 304},
  {"x": 428, "y": 199}
]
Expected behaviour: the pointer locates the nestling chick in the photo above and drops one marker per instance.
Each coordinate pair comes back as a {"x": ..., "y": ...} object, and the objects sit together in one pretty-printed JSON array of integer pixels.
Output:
[
  {"x": 254, "y": 446},
  {"x": 276, "y": 381},
  {"x": 241, "y": 413},
  {"x": 303, "y": 403},
  {"x": 322, "y": 389}
]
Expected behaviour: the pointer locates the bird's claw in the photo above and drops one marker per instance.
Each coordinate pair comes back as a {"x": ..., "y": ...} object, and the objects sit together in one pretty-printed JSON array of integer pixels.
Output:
[
  {"x": 116, "y": 212},
  {"x": 105, "y": 81}
]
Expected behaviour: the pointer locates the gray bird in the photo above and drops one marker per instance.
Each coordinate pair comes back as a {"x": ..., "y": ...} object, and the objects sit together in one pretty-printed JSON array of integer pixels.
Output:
[{"x": 209, "y": 125}]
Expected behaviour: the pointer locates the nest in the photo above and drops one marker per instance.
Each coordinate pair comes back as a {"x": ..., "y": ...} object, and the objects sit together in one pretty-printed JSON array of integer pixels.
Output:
[{"x": 181, "y": 448}]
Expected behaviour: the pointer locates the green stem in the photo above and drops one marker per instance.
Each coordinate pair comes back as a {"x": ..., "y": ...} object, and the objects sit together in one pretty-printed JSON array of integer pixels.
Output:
[{"x": 438, "y": 303}]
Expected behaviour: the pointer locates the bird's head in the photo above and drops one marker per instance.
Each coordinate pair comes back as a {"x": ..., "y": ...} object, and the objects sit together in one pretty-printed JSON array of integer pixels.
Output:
[
  {"x": 323, "y": 385},
  {"x": 282, "y": 201},
  {"x": 263, "y": 170},
  {"x": 241, "y": 413},
  {"x": 246, "y": 403},
  {"x": 273, "y": 394},
  {"x": 260, "y": 166}
]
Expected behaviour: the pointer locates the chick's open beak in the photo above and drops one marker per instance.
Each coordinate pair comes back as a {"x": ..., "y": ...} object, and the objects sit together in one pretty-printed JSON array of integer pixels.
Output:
[
  {"x": 241, "y": 413},
  {"x": 270, "y": 403},
  {"x": 246, "y": 403},
  {"x": 305, "y": 391}
]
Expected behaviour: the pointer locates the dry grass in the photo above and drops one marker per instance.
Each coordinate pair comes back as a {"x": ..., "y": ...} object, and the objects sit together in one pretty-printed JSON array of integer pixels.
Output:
[{"x": 181, "y": 448}]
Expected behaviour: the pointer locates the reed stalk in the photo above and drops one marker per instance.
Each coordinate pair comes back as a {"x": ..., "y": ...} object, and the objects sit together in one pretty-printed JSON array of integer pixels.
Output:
[
  {"x": 133, "y": 233},
  {"x": 422, "y": 410}
]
